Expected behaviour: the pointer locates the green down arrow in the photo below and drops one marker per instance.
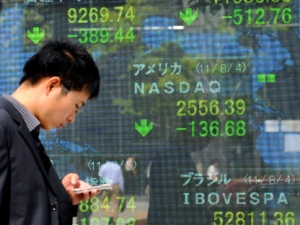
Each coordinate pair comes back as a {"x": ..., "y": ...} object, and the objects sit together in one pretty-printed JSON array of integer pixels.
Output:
[
  {"x": 36, "y": 35},
  {"x": 189, "y": 17},
  {"x": 143, "y": 129}
]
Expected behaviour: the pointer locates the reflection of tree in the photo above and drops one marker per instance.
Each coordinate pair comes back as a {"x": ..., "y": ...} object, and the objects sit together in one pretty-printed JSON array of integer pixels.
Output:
[
  {"x": 42, "y": 17},
  {"x": 283, "y": 95},
  {"x": 156, "y": 102},
  {"x": 117, "y": 95},
  {"x": 7, "y": 4}
]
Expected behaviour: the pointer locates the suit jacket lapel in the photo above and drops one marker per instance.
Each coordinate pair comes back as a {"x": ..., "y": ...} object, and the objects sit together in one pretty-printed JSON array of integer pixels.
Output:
[{"x": 24, "y": 132}]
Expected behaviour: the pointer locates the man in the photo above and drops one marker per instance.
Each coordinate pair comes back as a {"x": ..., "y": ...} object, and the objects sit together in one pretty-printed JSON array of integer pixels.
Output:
[
  {"x": 175, "y": 182},
  {"x": 111, "y": 173},
  {"x": 57, "y": 81},
  {"x": 212, "y": 171}
]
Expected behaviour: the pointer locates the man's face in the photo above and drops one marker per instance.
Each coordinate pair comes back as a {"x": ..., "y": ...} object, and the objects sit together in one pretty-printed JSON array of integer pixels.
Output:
[{"x": 61, "y": 107}]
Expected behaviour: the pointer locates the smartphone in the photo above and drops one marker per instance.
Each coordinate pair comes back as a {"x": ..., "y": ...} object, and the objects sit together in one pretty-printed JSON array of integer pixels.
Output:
[{"x": 99, "y": 187}]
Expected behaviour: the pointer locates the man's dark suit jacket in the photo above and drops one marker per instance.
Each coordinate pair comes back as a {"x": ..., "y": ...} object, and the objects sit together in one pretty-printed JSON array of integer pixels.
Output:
[{"x": 31, "y": 193}]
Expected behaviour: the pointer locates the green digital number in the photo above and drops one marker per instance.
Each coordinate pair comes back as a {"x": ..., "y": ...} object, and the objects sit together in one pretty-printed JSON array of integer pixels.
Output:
[
  {"x": 230, "y": 107},
  {"x": 238, "y": 107},
  {"x": 286, "y": 15},
  {"x": 238, "y": 128},
  {"x": 192, "y": 107},
  {"x": 214, "y": 128},
  {"x": 93, "y": 15},
  {"x": 289, "y": 218},
  {"x": 83, "y": 36},
  {"x": 121, "y": 199},
  {"x": 105, "y": 204},
  {"x": 277, "y": 13},
  {"x": 97, "y": 221},
  {"x": 251, "y": 216},
  {"x": 130, "y": 204},
  {"x": 214, "y": 107},
  {"x": 229, "y": 128},
  {"x": 130, "y": 35},
  {"x": 204, "y": 129},
  {"x": 94, "y": 207},
  {"x": 84, "y": 15},
  {"x": 182, "y": 105},
  {"x": 84, "y": 206},
  {"x": 83, "y": 12},
  {"x": 228, "y": 217},
  {"x": 218, "y": 218},
  {"x": 258, "y": 16},
  {"x": 129, "y": 14},
  {"x": 119, "y": 35},
  {"x": 203, "y": 108},
  {"x": 72, "y": 15},
  {"x": 240, "y": 218},
  {"x": 104, "y": 14},
  {"x": 94, "y": 35},
  {"x": 237, "y": 16},
  {"x": 120, "y": 9},
  {"x": 241, "y": 128},
  {"x": 104, "y": 35},
  {"x": 192, "y": 125}
]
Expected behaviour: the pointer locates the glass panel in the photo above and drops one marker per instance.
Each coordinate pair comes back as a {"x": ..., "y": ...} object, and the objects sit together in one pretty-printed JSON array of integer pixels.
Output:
[{"x": 199, "y": 105}]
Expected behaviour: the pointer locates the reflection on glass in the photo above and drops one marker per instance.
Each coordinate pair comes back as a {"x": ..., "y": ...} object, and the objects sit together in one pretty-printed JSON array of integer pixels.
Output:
[{"x": 184, "y": 83}]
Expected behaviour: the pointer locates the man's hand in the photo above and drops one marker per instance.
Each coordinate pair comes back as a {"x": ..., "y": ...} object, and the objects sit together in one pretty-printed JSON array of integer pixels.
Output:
[{"x": 71, "y": 181}]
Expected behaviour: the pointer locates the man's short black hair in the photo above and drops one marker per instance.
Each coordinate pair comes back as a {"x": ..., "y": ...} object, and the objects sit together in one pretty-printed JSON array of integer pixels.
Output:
[{"x": 68, "y": 60}]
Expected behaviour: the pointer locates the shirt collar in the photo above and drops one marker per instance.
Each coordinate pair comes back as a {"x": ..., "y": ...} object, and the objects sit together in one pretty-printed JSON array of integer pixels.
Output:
[{"x": 31, "y": 121}]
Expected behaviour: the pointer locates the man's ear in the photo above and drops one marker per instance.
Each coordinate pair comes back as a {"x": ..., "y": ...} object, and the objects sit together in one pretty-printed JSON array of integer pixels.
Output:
[{"x": 51, "y": 83}]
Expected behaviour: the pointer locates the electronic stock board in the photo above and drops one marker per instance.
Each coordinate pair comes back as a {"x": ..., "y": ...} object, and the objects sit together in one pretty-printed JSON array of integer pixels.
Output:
[{"x": 184, "y": 83}]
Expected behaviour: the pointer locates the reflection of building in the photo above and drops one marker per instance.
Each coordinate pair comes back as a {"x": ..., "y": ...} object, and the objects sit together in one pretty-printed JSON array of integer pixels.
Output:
[
  {"x": 290, "y": 130},
  {"x": 285, "y": 146}
]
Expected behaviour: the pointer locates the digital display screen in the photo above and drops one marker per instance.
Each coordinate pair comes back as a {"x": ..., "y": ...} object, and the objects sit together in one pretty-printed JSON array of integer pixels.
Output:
[{"x": 199, "y": 105}]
